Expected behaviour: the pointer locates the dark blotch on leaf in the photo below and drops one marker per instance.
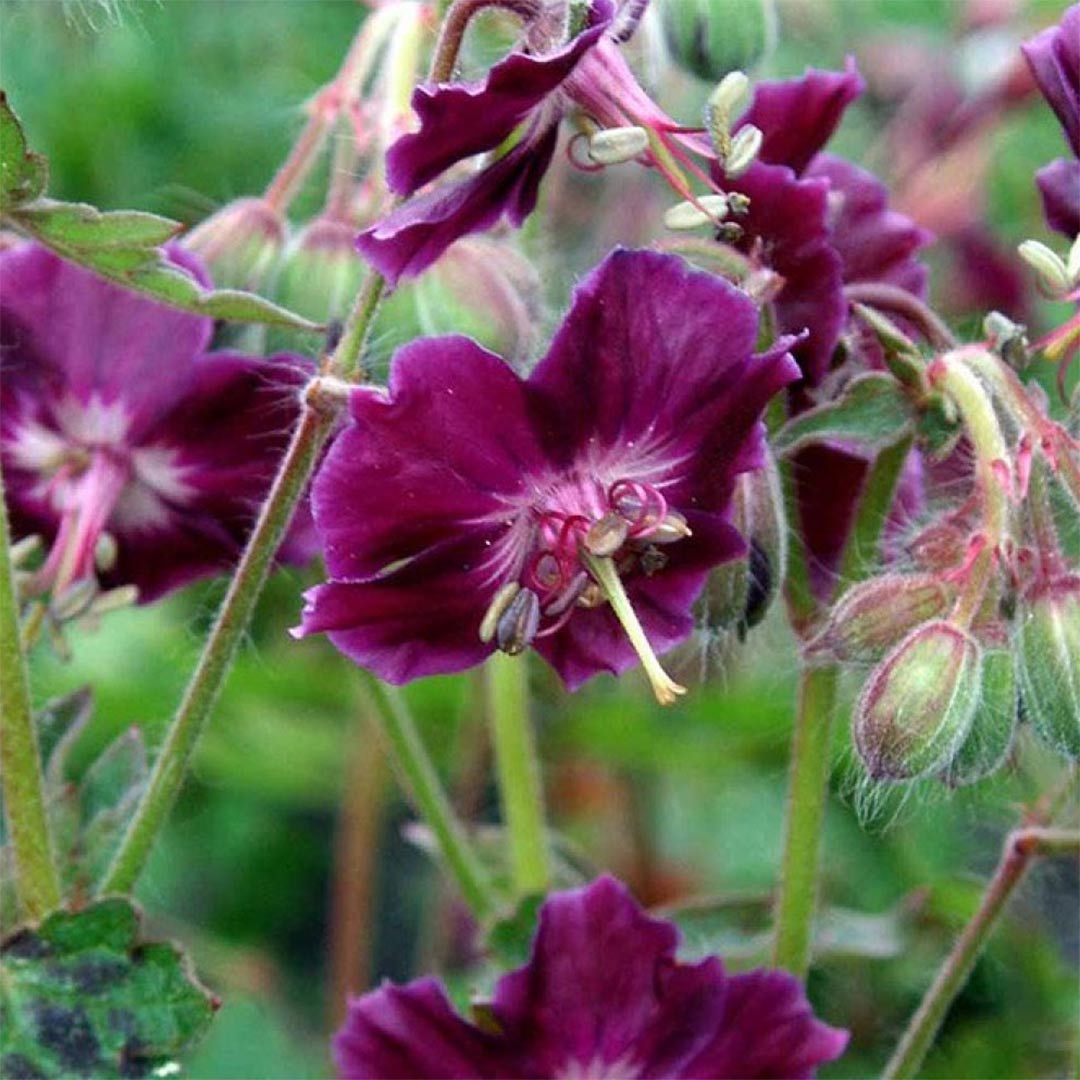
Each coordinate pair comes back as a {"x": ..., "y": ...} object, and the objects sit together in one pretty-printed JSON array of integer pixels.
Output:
[
  {"x": 95, "y": 975},
  {"x": 68, "y": 1034},
  {"x": 26, "y": 945},
  {"x": 17, "y": 1067}
]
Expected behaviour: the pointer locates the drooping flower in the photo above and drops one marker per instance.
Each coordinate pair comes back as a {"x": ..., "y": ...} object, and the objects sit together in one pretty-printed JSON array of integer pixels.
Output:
[
  {"x": 601, "y": 995},
  {"x": 824, "y": 226},
  {"x": 1054, "y": 58},
  {"x": 514, "y": 113},
  {"x": 117, "y": 422},
  {"x": 578, "y": 510}
]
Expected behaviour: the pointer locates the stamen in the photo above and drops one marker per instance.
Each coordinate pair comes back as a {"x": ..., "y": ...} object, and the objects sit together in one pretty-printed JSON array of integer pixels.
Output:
[
  {"x": 670, "y": 528},
  {"x": 745, "y": 147},
  {"x": 499, "y": 603},
  {"x": 603, "y": 571},
  {"x": 707, "y": 210},
  {"x": 517, "y": 625},
  {"x": 607, "y": 535},
  {"x": 613, "y": 146}
]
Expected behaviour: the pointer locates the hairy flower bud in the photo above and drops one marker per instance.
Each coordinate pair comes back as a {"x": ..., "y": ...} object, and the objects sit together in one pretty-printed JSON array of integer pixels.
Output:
[
  {"x": 874, "y": 615},
  {"x": 993, "y": 725},
  {"x": 712, "y": 37},
  {"x": 917, "y": 707},
  {"x": 322, "y": 271},
  {"x": 240, "y": 244},
  {"x": 1048, "y": 640}
]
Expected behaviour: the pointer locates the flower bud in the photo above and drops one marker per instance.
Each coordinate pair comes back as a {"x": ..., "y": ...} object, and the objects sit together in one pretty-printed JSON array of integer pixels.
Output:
[
  {"x": 875, "y": 615},
  {"x": 993, "y": 726},
  {"x": 322, "y": 272},
  {"x": 709, "y": 38},
  {"x": 916, "y": 709},
  {"x": 1048, "y": 642},
  {"x": 485, "y": 289},
  {"x": 240, "y": 244}
]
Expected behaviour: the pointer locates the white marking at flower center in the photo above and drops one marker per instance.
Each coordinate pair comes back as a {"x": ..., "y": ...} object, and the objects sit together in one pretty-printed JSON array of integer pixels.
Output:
[{"x": 597, "y": 1069}]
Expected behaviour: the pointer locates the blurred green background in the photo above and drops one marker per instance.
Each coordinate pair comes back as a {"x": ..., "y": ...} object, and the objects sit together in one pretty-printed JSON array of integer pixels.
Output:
[{"x": 176, "y": 107}]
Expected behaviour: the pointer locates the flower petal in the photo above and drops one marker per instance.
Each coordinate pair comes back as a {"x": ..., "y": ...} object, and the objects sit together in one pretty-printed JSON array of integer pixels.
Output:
[
  {"x": 420, "y": 464},
  {"x": 1059, "y": 185},
  {"x": 458, "y": 120},
  {"x": 1054, "y": 58},
  {"x": 408, "y": 240},
  {"x": 95, "y": 338},
  {"x": 768, "y": 1030},
  {"x": 798, "y": 116},
  {"x": 410, "y": 1032}
]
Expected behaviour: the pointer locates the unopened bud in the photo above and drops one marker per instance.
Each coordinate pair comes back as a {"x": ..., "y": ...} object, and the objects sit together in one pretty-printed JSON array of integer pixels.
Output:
[
  {"x": 1048, "y": 638},
  {"x": 517, "y": 625},
  {"x": 322, "y": 272},
  {"x": 875, "y": 615},
  {"x": 708, "y": 210},
  {"x": 917, "y": 706},
  {"x": 993, "y": 726},
  {"x": 614, "y": 146},
  {"x": 745, "y": 146},
  {"x": 710, "y": 38},
  {"x": 1051, "y": 271},
  {"x": 240, "y": 244}
]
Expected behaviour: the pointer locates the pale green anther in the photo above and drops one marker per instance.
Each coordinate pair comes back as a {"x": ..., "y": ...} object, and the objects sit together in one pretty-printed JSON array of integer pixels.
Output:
[
  {"x": 1047, "y": 265},
  {"x": 614, "y": 146},
  {"x": 24, "y": 549},
  {"x": 105, "y": 552},
  {"x": 74, "y": 600},
  {"x": 114, "y": 600},
  {"x": 672, "y": 528},
  {"x": 517, "y": 625},
  {"x": 607, "y": 535},
  {"x": 708, "y": 210},
  {"x": 1072, "y": 264},
  {"x": 494, "y": 613},
  {"x": 730, "y": 97},
  {"x": 745, "y": 146}
]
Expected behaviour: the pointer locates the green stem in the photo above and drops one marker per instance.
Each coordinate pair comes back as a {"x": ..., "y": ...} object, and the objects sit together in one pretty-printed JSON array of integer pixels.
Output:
[
  {"x": 803, "y": 607},
  {"x": 24, "y": 801},
  {"x": 422, "y": 784},
  {"x": 218, "y": 653},
  {"x": 518, "y": 768},
  {"x": 808, "y": 786},
  {"x": 1020, "y": 848},
  {"x": 345, "y": 362}
]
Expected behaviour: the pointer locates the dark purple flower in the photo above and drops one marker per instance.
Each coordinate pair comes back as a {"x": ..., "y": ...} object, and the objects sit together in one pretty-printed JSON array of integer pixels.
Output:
[
  {"x": 602, "y": 995},
  {"x": 520, "y": 102},
  {"x": 1054, "y": 58},
  {"x": 467, "y": 508},
  {"x": 116, "y": 421}
]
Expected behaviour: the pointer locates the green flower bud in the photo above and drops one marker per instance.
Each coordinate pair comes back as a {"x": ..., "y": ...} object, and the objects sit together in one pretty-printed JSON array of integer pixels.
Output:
[
  {"x": 873, "y": 616},
  {"x": 994, "y": 725},
  {"x": 322, "y": 271},
  {"x": 240, "y": 244},
  {"x": 709, "y": 38},
  {"x": 1048, "y": 644},
  {"x": 916, "y": 709}
]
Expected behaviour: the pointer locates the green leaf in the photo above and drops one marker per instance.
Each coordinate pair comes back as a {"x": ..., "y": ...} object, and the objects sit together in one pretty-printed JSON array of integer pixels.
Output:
[
  {"x": 23, "y": 175},
  {"x": 60, "y": 722},
  {"x": 872, "y": 412},
  {"x": 939, "y": 427},
  {"x": 82, "y": 995},
  {"x": 124, "y": 246},
  {"x": 510, "y": 938}
]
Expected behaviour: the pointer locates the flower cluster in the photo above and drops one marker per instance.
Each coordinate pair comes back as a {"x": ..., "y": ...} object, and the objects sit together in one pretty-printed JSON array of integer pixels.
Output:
[
  {"x": 578, "y": 510},
  {"x": 602, "y": 995},
  {"x": 138, "y": 456}
]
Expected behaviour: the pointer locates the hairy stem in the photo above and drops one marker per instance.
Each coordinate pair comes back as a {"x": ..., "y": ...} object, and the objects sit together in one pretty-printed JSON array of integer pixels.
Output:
[
  {"x": 807, "y": 789},
  {"x": 422, "y": 785},
  {"x": 1020, "y": 849},
  {"x": 37, "y": 884},
  {"x": 518, "y": 769},
  {"x": 458, "y": 17}
]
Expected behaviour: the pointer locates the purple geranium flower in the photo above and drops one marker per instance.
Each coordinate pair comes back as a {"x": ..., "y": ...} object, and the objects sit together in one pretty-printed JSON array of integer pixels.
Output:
[
  {"x": 1054, "y": 57},
  {"x": 519, "y": 103},
  {"x": 578, "y": 510},
  {"x": 116, "y": 421},
  {"x": 823, "y": 225},
  {"x": 602, "y": 995}
]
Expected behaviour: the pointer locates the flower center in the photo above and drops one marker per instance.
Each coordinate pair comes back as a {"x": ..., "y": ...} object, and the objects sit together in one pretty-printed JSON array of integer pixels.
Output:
[{"x": 579, "y": 547}]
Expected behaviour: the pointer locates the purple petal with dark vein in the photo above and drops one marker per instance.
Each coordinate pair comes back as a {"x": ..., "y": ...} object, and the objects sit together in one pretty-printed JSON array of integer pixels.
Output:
[
  {"x": 594, "y": 641},
  {"x": 415, "y": 465},
  {"x": 1054, "y": 58},
  {"x": 421, "y": 619},
  {"x": 412, "y": 1033},
  {"x": 409, "y": 239},
  {"x": 458, "y": 120},
  {"x": 788, "y": 217},
  {"x": 95, "y": 337},
  {"x": 768, "y": 1030},
  {"x": 875, "y": 244},
  {"x": 798, "y": 116},
  {"x": 649, "y": 359},
  {"x": 1059, "y": 185}
]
